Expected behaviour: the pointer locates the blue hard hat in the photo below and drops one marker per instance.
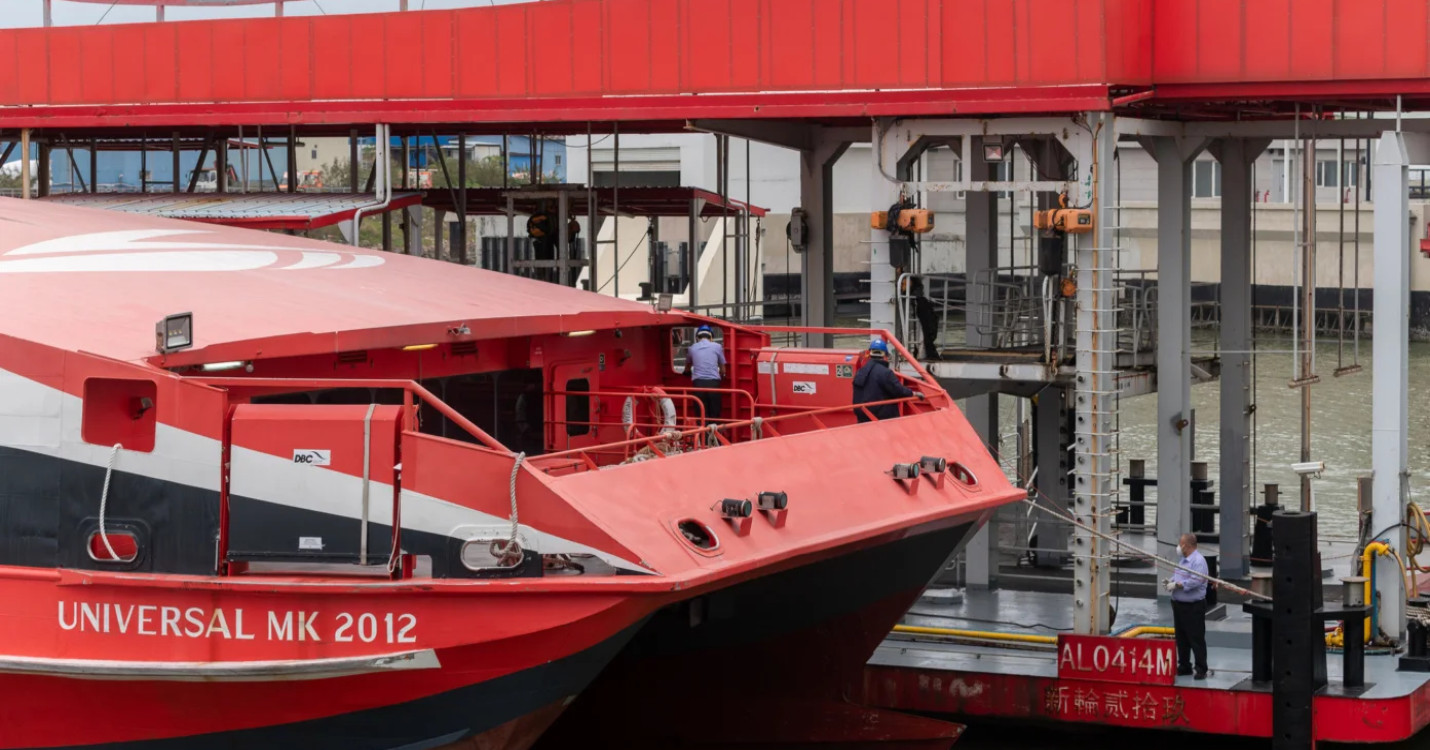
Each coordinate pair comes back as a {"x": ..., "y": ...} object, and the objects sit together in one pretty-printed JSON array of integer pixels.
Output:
[
  {"x": 705, "y": 330},
  {"x": 879, "y": 346}
]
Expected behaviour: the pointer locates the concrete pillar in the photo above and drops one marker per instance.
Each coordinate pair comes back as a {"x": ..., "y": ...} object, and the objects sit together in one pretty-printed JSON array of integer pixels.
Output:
[
  {"x": 1390, "y": 404},
  {"x": 816, "y": 196},
  {"x": 981, "y": 211},
  {"x": 1236, "y": 156},
  {"x": 1174, "y": 156}
]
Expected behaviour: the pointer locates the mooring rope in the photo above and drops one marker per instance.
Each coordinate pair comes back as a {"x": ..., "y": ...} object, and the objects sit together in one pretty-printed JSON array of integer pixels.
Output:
[{"x": 104, "y": 504}]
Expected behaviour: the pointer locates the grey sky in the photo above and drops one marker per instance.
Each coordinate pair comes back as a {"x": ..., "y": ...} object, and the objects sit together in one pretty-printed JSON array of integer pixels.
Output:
[{"x": 22, "y": 13}]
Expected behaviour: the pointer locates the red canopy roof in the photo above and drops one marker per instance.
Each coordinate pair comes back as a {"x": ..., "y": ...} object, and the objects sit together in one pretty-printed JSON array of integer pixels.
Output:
[{"x": 92, "y": 280}]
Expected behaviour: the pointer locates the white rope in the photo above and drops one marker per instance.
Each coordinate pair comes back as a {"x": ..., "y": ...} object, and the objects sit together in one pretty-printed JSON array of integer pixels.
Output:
[
  {"x": 755, "y": 427},
  {"x": 1143, "y": 553},
  {"x": 104, "y": 503},
  {"x": 713, "y": 438}
]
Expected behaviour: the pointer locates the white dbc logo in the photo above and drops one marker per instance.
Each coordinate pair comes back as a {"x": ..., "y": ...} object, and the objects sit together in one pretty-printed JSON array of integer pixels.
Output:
[{"x": 136, "y": 250}]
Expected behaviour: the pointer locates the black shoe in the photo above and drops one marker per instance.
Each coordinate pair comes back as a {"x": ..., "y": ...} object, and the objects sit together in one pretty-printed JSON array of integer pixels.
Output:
[
  {"x": 1184, "y": 672},
  {"x": 1200, "y": 676}
]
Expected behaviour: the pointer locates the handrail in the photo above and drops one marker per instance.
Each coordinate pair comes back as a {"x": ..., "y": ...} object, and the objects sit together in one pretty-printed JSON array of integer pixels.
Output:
[
  {"x": 407, "y": 386},
  {"x": 765, "y": 421},
  {"x": 888, "y": 338}
]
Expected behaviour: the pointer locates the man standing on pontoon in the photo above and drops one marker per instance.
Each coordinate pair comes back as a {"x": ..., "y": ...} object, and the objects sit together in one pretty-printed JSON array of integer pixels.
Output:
[{"x": 1189, "y": 608}]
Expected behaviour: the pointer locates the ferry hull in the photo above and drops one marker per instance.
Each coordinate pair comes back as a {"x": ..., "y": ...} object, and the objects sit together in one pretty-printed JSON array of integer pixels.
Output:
[
  {"x": 454, "y": 701},
  {"x": 773, "y": 661}
]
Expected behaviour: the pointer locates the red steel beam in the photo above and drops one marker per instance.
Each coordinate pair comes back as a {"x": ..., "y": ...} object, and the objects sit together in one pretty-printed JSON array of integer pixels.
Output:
[{"x": 567, "y": 58}]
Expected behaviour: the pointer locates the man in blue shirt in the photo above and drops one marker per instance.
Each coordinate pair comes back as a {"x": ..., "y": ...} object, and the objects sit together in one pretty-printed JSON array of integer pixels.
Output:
[
  {"x": 1189, "y": 608},
  {"x": 706, "y": 366}
]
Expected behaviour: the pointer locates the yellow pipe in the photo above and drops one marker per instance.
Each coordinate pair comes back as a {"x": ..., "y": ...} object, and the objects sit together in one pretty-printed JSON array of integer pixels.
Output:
[
  {"x": 980, "y": 634},
  {"x": 1366, "y": 560},
  {"x": 1142, "y": 630}
]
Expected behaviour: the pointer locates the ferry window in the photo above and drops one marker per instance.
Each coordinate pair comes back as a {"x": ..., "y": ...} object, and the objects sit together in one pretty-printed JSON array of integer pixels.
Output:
[
  {"x": 119, "y": 411},
  {"x": 124, "y": 545},
  {"x": 578, "y": 408}
]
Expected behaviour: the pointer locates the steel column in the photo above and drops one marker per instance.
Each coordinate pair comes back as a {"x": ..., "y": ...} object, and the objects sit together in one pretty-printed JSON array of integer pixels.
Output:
[
  {"x": 1236, "y": 156},
  {"x": 1095, "y": 394},
  {"x": 816, "y": 193},
  {"x": 1390, "y": 405},
  {"x": 1174, "y": 156},
  {"x": 883, "y": 192},
  {"x": 981, "y": 215},
  {"x": 25, "y": 142},
  {"x": 175, "y": 165}
]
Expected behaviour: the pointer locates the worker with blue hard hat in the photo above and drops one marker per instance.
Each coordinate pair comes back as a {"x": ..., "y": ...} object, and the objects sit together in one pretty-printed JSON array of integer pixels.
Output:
[
  {"x": 706, "y": 365},
  {"x": 876, "y": 382}
]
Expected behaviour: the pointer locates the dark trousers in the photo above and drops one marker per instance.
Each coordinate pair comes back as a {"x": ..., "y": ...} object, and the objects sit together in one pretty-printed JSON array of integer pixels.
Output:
[
  {"x": 1190, "y": 620},
  {"x": 710, "y": 400}
]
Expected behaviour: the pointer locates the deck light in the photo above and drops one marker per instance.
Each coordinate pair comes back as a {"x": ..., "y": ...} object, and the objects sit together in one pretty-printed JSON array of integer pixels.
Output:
[
  {"x": 993, "y": 152},
  {"x": 906, "y": 471},
  {"x": 773, "y": 501},
  {"x": 222, "y": 366},
  {"x": 577, "y": 334},
  {"x": 174, "y": 332},
  {"x": 906, "y": 475},
  {"x": 419, "y": 347},
  {"x": 736, "y": 508},
  {"x": 737, "y": 514},
  {"x": 663, "y": 302},
  {"x": 933, "y": 464}
]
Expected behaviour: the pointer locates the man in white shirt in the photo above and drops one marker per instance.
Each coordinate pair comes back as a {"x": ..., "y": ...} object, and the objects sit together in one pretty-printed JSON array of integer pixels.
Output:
[{"x": 705, "y": 364}]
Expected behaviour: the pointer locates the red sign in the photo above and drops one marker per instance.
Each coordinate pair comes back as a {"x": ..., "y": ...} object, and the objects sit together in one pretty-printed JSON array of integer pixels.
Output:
[{"x": 1147, "y": 661}]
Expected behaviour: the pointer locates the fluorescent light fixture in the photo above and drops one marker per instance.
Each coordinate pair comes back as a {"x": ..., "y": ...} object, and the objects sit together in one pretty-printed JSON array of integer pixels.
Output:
[
  {"x": 221, "y": 366},
  {"x": 174, "y": 332},
  {"x": 574, "y": 334},
  {"x": 419, "y": 347}
]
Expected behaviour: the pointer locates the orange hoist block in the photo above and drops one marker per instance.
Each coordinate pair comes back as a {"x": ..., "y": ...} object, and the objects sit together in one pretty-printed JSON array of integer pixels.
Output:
[
  {"x": 911, "y": 220},
  {"x": 1065, "y": 220}
]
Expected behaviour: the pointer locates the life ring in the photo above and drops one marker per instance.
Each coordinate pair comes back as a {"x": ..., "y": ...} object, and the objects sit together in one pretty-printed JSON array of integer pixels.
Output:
[{"x": 663, "y": 403}]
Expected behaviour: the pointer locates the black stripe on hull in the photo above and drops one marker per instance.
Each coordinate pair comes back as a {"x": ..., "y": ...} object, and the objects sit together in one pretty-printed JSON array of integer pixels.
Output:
[
  {"x": 428, "y": 722},
  {"x": 49, "y": 506}
]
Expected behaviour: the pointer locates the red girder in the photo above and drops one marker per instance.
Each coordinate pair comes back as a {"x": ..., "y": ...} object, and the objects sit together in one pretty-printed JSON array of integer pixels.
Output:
[{"x": 641, "y": 61}]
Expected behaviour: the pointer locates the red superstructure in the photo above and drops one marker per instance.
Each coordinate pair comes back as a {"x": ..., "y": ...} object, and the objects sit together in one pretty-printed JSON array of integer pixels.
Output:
[{"x": 299, "y": 530}]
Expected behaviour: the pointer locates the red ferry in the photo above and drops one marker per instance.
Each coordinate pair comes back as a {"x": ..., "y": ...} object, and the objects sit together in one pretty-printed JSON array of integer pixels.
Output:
[{"x": 261, "y": 491}]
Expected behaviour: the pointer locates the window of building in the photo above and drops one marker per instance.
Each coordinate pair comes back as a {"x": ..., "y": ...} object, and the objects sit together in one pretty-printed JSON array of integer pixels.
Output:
[
  {"x": 1206, "y": 179},
  {"x": 558, "y": 159},
  {"x": 1327, "y": 175}
]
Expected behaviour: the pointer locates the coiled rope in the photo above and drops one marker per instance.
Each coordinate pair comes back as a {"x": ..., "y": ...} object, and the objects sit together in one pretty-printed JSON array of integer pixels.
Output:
[
  {"x": 512, "y": 549},
  {"x": 756, "y": 427},
  {"x": 104, "y": 503}
]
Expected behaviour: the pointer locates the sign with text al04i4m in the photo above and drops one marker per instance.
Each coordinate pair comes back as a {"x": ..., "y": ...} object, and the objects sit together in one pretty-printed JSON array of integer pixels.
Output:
[{"x": 1148, "y": 661}]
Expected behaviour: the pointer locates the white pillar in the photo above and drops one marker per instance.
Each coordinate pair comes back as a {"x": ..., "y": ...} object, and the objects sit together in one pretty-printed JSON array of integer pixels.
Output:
[{"x": 1390, "y": 405}]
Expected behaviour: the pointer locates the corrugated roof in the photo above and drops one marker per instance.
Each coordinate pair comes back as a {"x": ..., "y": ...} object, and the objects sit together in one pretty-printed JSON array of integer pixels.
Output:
[
  {"x": 297, "y": 211},
  {"x": 98, "y": 281}
]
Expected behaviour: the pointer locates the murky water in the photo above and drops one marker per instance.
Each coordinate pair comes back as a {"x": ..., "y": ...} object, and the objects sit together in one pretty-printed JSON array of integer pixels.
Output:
[{"x": 1340, "y": 423}]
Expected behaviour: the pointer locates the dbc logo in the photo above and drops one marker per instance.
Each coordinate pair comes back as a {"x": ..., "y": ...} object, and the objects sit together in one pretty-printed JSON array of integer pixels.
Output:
[{"x": 309, "y": 457}]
